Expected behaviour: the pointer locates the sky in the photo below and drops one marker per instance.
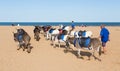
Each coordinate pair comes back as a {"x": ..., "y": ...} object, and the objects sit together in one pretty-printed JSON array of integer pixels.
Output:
[{"x": 59, "y": 10}]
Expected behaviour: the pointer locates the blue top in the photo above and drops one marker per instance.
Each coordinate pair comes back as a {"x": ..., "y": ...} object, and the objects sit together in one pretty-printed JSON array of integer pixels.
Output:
[
  {"x": 73, "y": 25},
  {"x": 104, "y": 35}
]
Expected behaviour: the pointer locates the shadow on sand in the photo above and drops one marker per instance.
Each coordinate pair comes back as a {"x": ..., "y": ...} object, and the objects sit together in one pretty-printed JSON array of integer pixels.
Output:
[{"x": 83, "y": 53}]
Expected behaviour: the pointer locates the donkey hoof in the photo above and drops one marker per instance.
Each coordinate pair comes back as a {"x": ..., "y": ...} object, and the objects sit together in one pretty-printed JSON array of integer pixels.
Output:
[
  {"x": 28, "y": 51},
  {"x": 65, "y": 51},
  {"x": 37, "y": 40},
  {"x": 18, "y": 49},
  {"x": 80, "y": 57},
  {"x": 89, "y": 59}
]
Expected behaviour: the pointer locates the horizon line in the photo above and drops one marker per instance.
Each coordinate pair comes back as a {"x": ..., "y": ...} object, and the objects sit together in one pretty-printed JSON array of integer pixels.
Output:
[{"x": 54, "y": 21}]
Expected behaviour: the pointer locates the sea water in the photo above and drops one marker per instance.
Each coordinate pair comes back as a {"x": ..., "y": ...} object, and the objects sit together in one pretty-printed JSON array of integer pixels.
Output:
[{"x": 58, "y": 23}]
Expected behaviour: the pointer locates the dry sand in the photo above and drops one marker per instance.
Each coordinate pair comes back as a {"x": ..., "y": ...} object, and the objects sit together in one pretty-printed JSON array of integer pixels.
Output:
[{"x": 44, "y": 57}]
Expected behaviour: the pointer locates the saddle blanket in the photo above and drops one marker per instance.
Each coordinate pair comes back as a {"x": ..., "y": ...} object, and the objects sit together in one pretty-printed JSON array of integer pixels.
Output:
[
  {"x": 83, "y": 42},
  {"x": 19, "y": 37},
  {"x": 83, "y": 34},
  {"x": 62, "y": 37},
  {"x": 51, "y": 30}
]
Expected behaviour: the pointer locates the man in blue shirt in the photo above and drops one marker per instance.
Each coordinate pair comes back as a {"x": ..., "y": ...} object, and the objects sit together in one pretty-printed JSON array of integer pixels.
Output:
[
  {"x": 104, "y": 34},
  {"x": 73, "y": 25}
]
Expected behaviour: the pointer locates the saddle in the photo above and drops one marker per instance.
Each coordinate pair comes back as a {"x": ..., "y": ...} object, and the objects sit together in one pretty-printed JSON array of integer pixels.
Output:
[
  {"x": 20, "y": 34},
  {"x": 46, "y": 28},
  {"x": 20, "y": 37},
  {"x": 51, "y": 30},
  {"x": 82, "y": 33},
  {"x": 61, "y": 36},
  {"x": 63, "y": 27},
  {"x": 60, "y": 31},
  {"x": 64, "y": 32},
  {"x": 83, "y": 42}
]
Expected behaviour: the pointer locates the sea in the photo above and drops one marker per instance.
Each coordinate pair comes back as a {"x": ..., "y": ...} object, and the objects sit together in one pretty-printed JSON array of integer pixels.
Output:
[{"x": 58, "y": 23}]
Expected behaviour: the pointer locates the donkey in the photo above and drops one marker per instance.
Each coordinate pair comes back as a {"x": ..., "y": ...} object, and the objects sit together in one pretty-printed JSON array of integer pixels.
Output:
[
  {"x": 45, "y": 29},
  {"x": 51, "y": 33},
  {"x": 36, "y": 31},
  {"x": 59, "y": 39},
  {"x": 92, "y": 44},
  {"x": 23, "y": 38}
]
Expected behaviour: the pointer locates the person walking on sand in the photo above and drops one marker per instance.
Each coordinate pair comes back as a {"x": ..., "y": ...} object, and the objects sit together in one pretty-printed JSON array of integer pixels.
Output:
[{"x": 104, "y": 35}]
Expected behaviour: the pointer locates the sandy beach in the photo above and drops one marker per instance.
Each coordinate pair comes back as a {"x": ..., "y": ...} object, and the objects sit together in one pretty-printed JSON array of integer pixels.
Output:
[{"x": 44, "y": 57}]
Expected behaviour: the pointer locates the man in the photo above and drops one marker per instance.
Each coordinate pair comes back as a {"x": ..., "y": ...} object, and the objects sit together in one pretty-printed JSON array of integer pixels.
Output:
[
  {"x": 73, "y": 25},
  {"x": 104, "y": 35}
]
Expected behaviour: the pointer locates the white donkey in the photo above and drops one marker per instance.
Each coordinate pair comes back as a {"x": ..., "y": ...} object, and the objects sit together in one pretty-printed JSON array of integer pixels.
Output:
[
  {"x": 52, "y": 32},
  {"x": 60, "y": 39}
]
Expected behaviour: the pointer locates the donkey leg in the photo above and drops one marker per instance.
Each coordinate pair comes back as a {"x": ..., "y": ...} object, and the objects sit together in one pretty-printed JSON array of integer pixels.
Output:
[
  {"x": 97, "y": 53},
  {"x": 19, "y": 47},
  {"x": 59, "y": 44},
  {"x": 24, "y": 47},
  {"x": 54, "y": 44},
  {"x": 92, "y": 54},
  {"x": 28, "y": 49},
  {"x": 91, "y": 50},
  {"x": 38, "y": 38},
  {"x": 78, "y": 53}
]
